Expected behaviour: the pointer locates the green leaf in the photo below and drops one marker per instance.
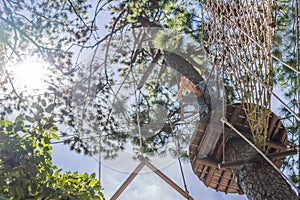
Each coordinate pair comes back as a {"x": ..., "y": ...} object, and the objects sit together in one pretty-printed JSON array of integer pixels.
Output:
[
  {"x": 5, "y": 123},
  {"x": 39, "y": 108},
  {"x": 93, "y": 182},
  {"x": 57, "y": 173},
  {"x": 84, "y": 176},
  {"x": 19, "y": 119},
  {"x": 43, "y": 102},
  {"x": 48, "y": 126},
  {"x": 131, "y": 19},
  {"x": 50, "y": 108},
  {"x": 55, "y": 136},
  {"x": 93, "y": 175},
  {"x": 28, "y": 118},
  {"x": 75, "y": 174}
]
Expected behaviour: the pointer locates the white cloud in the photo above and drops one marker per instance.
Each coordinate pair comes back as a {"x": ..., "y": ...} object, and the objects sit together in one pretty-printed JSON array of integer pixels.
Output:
[{"x": 146, "y": 186}]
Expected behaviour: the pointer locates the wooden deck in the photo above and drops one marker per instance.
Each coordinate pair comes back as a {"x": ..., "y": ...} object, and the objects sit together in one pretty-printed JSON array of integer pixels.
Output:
[{"x": 206, "y": 148}]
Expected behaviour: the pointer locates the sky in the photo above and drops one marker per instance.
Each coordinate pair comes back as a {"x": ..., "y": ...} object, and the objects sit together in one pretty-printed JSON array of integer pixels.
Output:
[{"x": 146, "y": 186}]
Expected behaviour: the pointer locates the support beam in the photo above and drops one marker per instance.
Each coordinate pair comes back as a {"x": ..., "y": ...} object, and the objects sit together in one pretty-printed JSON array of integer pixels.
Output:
[
  {"x": 276, "y": 145},
  {"x": 207, "y": 161},
  {"x": 145, "y": 161},
  {"x": 258, "y": 158},
  {"x": 128, "y": 181},
  {"x": 166, "y": 179}
]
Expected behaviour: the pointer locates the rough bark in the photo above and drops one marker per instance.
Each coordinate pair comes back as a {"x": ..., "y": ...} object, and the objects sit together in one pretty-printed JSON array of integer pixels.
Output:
[
  {"x": 182, "y": 66},
  {"x": 259, "y": 180},
  {"x": 174, "y": 60}
]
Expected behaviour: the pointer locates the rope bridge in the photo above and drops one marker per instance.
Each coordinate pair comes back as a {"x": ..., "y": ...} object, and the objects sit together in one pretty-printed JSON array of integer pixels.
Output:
[{"x": 239, "y": 37}]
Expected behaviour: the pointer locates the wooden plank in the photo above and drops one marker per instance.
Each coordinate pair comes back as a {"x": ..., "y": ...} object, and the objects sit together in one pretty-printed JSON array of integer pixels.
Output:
[
  {"x": 228, "y": 185},
  {"x": 272, "y": 125},
  {"x": 209, "y": 176},
  {"x": 276, "y": 145},
  {"x": 258, "y": 158},
  {"x": 207, "y": 161},
  {"x": 233, "y": 117},
  {"x": 167, "y": 180},
  {"x": 279, "y": 126},
  {"x": 220, "y": 182},
  {"x": 211, "y": 135},
  {"x": 270, "y": 143},
  {"x": 204, "y": 172},
  {"x": 128, "y": 181}
]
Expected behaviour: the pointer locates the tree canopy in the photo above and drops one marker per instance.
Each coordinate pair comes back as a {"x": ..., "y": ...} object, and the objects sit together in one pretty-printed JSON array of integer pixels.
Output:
[
  {"x": 26, "y": 169},
  {"x": 125, "y": 82}
]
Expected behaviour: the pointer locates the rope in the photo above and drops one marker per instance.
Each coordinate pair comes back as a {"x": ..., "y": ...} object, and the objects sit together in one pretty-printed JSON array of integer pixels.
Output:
[
  {"x": 240, "y": 33},
  {"x": 224, "y": 121},
  {"x": 223, "y": 23},
  {"x": 223, "y": 125},
  {"x": 182, "y": 174},
  {"x": 179, "y": 161},
  {"x": 137, "y": 113},
  {"x": 266, "y": 87},
  {"x": 261, "y": 47},
  {"x": 100, "y": 157},
  {"x": 297, "y": 27}
]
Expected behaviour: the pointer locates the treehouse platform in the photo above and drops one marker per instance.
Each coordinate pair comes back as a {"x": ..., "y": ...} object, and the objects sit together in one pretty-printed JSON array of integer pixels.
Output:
[{"x": 206, "y": 147}]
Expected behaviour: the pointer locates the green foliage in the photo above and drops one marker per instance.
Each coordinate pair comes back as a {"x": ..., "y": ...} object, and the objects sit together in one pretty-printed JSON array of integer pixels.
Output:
[
  {"x": 50, "y": 28},
  {"x": 170, "y": 42},
  {"x": 287, "y": 80},
  {"x": 26, "y": 170}
]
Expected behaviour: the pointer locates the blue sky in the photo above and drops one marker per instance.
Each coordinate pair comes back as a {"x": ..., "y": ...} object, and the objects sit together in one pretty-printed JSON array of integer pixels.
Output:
[{"x": 146, "y": 186}]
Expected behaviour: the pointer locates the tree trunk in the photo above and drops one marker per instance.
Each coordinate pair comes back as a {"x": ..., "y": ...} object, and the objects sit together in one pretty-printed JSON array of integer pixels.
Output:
[{"x": 259, "y": 180}]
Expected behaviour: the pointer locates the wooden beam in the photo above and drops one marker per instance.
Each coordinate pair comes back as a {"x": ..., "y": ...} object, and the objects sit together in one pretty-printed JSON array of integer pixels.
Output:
[
  {"x": 258, "y": 158},
  {"x": 269, "y": 143},
  {"x": 220, "y": 181},
  {"x": 276, "y": 145},
  {"x": 207, "y": 161},
  {"x": 209, "y": 176},
  {"x": 128, "y": 181},
  {"x": 166, "y": 179}
]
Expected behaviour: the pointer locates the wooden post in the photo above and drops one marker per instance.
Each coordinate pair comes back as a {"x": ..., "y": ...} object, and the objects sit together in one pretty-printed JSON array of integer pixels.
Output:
[
  {"x": 128, "y": 181},
  {"x": 166, "y": 179},
  {"x": 145, "y": 161}
]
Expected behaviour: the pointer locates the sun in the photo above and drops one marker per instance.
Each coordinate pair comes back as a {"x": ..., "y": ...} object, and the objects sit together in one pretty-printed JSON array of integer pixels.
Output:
[{"x": 30, "y": 75}]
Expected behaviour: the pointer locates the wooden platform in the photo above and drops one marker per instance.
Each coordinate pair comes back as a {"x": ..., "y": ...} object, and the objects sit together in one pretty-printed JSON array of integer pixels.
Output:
[{"x": 206, "y": 146}]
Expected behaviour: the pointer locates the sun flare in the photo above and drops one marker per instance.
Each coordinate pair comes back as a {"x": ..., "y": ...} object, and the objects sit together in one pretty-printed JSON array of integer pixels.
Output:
[{"x": 30, "y": 75}]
